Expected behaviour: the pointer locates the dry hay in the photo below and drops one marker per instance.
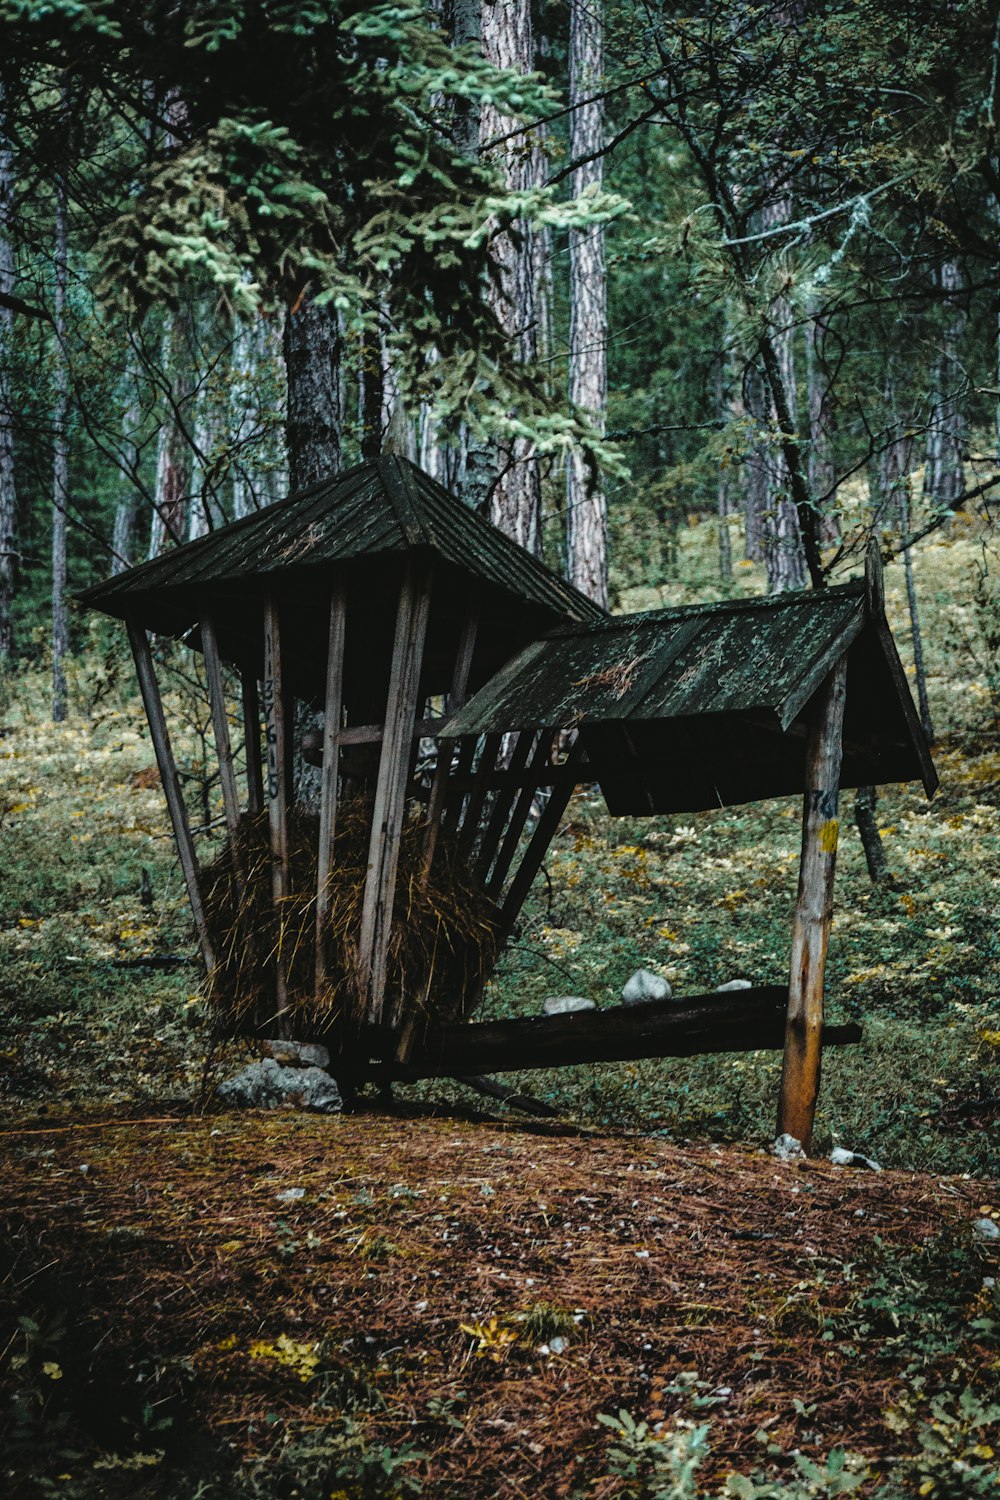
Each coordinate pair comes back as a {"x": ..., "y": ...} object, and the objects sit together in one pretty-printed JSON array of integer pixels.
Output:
[{"x": 442, "y": 943}]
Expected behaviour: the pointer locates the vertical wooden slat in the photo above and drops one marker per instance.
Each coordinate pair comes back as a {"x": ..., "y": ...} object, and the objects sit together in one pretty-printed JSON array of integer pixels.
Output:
[
  {"x": 456, "y": 697},
  {"x": 542, "y": 837},
  {"x": 800, "y": 1072},
  {"x": 153, "y": 705},
  {"x": 455, "y": 794},
  {"x": 277, "y": 790},
  {"x": 331, "y": 757},
  {"x": 506, "y": 795},
  {"x": 251, "y": 735},
  {"x": 390, "y": 787},
  {"x": 519, "y": 817},
  {"x": 469, "y": 825},
  {"x": 220, "y": 724}
]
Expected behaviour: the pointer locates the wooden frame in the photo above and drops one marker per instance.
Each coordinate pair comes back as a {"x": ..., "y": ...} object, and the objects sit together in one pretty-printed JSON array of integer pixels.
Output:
[
  {"x": 275, "y": 711},
  {"x": 333, "y": 710}
]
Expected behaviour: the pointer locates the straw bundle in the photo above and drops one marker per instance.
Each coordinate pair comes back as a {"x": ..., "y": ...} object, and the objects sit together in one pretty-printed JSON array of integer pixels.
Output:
[{"x": 442, "y": 945}]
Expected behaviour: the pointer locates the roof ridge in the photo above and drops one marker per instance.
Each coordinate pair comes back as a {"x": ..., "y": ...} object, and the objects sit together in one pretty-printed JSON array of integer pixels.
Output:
[{"x": 403, "y": 498}]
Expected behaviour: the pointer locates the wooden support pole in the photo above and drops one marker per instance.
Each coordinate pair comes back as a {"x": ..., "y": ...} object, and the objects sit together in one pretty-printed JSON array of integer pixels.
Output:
[
  {"x": 251, "y": 734},
  {"x": 800, "y": 1071},
  {"x": 390, "y": 787},
  {"x": 456, "y": 698},
  {"x": 220, "y": 724},
  {"x": 455, "y": 795},
  {"x": 519, "y": 817},
  {"x": 331, "y": 766},
  {"x": 469, "y": 825},
  {"x": 153, "y": 704},
  {"x": 277, "y": 792}
]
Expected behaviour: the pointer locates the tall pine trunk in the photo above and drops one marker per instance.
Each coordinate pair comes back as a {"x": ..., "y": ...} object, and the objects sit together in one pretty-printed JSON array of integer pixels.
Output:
[
  {"x": 508, "y": 42},
  {"x": 312, "y": 367},
  {"x": 8, "y": 492},
  {"x": 586, "y": 506},
  {"x": 944, "y": 479},
  {"x": 60, "y": 458}
]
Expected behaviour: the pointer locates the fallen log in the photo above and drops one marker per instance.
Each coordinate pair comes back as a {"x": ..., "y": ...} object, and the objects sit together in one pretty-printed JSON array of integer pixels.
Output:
[{"x": 746, "y": 1021}]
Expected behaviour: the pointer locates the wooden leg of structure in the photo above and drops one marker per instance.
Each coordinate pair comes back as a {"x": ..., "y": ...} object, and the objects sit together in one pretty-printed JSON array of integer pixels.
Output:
[
  {"x": 390, "y": 787},
  {"x": 251, "y": 734},
  {"x": 220, "y": 724},
  {"x": 275, "y": 707},
  {"x": 330, "y": 771},
  {"x": 153, "y": 704},
  {"x": 813, "y": 911}
]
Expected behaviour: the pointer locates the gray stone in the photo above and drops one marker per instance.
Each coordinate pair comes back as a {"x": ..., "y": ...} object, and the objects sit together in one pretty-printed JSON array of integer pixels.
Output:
[
  {"x": 561, "y": 1005},
  {"x": 787, "y": 1148},
  {"x": 841, "y": 1157},
  {"x": 645, "y": 986},
  {"x": 986, "y": 1229},
  {"x": 733, "y": 984},
  {"x": 297, "y": 1054},
  {"x": 267, "y": 1085}
]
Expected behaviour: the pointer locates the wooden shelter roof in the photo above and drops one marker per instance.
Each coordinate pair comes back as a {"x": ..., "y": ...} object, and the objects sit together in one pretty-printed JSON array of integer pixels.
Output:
[
  {"x": 685, "y": 709},
  {"x": 359, "y": 526}
]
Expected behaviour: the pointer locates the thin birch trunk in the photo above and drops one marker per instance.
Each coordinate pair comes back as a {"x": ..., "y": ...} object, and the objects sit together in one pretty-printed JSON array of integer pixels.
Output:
[
  {"x": 60, "y": 457},
  {"x": 126, "y": 509},
  {"x": 8, "y": 491},
  {"x": 586, "y": 506},
  {"x": 173, "y": 451},
  {"x": 820, "y": 467}
]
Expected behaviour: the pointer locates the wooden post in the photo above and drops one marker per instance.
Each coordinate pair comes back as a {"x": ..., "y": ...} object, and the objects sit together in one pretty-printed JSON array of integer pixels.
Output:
[
  {"x": 331, "y": 765},
  {"x": 504, "y": 801},
  {"x": 456, "y": 697},
  {"x": 390, "y": 788},
  {"x": 800, "y": 1070},
  {"x": 455, "y": 795},
  {"x": 277, "y": 792},
  {"x": 171, "y": 784},
  {"x": 469, "y": 826},
  {"x": 251, "y": 734},
  {"x": 220, "y": 724}
]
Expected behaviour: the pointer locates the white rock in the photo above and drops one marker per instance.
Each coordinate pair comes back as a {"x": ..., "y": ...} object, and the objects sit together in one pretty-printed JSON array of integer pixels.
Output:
[
  {"x": 645, "y": 986},
  {"x": 787, "y": 1148},
  {"x": 733, "y": 984},
  {"x": 558, "y": 1345},
  {"x": 986, "y": 1229},
  {"x": 266, "y": 1085},
  {"x": 562, "y": 1005},
  {"x": 841, "y": 1157},
  {"x": 290, "y": 1195},
  {"x": 297, "y": 1054}
]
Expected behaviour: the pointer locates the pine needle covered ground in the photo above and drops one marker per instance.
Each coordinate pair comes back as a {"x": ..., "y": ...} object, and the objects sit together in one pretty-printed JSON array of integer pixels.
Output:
[{"x": 337, "y": 1342}]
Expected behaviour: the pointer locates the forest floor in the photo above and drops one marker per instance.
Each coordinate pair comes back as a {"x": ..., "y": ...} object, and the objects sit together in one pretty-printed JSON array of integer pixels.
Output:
[
  {"x": 341, "y": 1306},
  {"x": 153, "y": 1276}
]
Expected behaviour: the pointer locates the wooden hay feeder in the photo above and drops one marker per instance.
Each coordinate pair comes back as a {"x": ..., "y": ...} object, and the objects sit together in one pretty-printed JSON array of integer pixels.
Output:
[{"x": 447, "y": 667}]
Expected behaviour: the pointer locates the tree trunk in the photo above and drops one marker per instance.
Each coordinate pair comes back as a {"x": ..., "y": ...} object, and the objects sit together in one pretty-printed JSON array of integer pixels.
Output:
[
  {"x": 820, "y": 468},
  {"x": 312, "y": 365},
  {"x": 586, "y": 507},
  {"x": 508, "y": 42},
  {"x": 944, "y": 479},
  {"x": 8, "y": 492},
  {"x": 173, "y": 451},
  {"x": 126, "y": 510},
  {"x": 60, "y": 459},
  {"x": 723, "y": 483}
]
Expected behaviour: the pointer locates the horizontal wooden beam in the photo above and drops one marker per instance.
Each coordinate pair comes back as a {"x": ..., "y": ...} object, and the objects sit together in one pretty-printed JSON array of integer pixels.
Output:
[{"x": 747, "y": 1021}]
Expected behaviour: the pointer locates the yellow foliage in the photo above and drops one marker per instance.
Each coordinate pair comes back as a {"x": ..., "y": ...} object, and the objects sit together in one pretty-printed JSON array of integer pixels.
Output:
[{"x": 301, "y": 1359}]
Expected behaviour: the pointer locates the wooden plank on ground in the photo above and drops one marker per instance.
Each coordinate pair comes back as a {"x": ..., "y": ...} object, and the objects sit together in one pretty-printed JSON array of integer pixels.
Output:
[{"x": 749, "y": 1020}]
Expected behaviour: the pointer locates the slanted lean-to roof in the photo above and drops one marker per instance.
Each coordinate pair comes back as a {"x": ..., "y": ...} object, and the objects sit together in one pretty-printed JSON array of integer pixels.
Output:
[
  {"x": 362, "y": 524},
  {"x": 684, "y": 709}
]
